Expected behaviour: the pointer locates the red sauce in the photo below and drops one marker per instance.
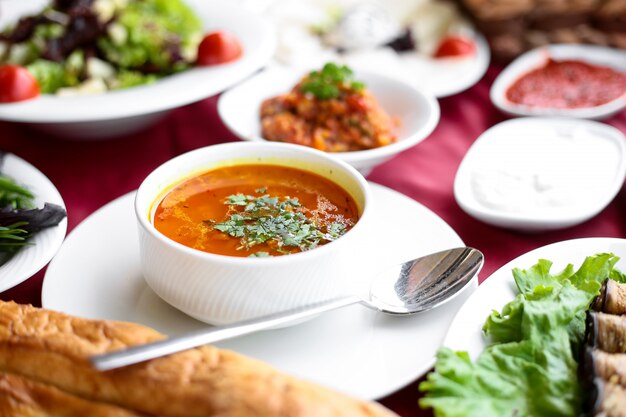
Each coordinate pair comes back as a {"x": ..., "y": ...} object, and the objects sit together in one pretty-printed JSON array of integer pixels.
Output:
[{"x": 568, "y": 84}]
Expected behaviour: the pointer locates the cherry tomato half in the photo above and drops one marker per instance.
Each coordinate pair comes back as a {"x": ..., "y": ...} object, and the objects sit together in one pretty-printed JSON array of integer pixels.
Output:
[
  {"x": 455, "y": 46},
  {"x": 218, "y": 48},
  {"x": 17, "y": 84}
]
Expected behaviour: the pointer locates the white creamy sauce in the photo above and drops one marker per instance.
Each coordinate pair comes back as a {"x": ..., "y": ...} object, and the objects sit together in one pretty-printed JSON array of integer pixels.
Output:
[{"x": 535, "y": 172}]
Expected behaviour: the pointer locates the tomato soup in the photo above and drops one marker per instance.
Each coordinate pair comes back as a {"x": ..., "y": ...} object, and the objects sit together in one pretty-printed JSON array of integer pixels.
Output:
[{"x": 255, "y": 210}]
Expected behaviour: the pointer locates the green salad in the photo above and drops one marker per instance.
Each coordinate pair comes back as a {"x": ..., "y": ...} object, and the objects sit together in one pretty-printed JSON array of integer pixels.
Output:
[
  {"x": 75, "y": 46},
  {"x": 530, "y": 367}
]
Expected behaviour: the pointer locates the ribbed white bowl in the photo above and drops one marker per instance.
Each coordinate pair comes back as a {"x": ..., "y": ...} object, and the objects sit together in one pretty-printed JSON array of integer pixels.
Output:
[{"x": 221, "y": 289}]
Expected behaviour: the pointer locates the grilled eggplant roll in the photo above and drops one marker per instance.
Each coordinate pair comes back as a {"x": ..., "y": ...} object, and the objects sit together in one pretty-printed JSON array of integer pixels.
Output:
[
  {"x": 612, "y": 298},
  {"x": 606, "y": 332},
  {"x": 606, "y": 399},
  {"x": 600, "y": 364}
]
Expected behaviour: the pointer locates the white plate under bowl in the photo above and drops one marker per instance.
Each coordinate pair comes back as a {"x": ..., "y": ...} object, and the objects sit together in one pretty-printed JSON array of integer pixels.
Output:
[
  {"x": 121, "y": 112},
  {"x": 597, "y": 55},
  {"x": 506, "y": 150},
  {"x": 417, "y": 112},
  {"x": 465, "y": 332},
  {"x": 355, "y": 350},
  {"x": 45, "y": 243}
]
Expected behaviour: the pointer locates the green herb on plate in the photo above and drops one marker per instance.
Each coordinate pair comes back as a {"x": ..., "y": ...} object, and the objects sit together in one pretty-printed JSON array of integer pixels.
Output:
[
  {"x": 19, "y": 217},
  {"x": 530, "y": 369}
]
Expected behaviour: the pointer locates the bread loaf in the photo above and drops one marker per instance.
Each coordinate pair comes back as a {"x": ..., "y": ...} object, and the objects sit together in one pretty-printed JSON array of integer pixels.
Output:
[
  {"x": 515, "y": 26},
  {"x": 22, "y": 397},
  {"x": 53, "y": 348}
]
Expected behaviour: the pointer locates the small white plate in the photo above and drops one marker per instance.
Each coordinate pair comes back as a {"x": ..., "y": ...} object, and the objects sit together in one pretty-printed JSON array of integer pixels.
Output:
[
  {"x": 598, "y": 55},
  {"x": 441, "y": 77},
  {"x": 120, "y": 112},
  {"x": 534, "y": 174},
  {"x": 299, "y": 46},
  {"x": 45, "y": 243},
  {"x": 465, "y": 332},
  {"x": 355, "y": 350},
  {"x": 417, "y": 112}
]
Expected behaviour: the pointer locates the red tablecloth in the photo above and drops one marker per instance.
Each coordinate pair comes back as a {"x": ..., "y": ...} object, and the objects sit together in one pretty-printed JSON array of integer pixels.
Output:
[{"x": 90, "y": 174}]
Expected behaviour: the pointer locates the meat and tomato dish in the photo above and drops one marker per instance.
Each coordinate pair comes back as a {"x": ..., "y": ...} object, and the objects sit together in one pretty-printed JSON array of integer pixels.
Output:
[
  {"x": 256, "y": 210},
  {"x": 330, "y": 111}
]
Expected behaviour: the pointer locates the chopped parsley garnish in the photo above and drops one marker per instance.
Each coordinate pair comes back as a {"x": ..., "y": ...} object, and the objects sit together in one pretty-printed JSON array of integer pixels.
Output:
[
  {"x": 326, "y": 83},
  {"x": 279, "y": 222}
]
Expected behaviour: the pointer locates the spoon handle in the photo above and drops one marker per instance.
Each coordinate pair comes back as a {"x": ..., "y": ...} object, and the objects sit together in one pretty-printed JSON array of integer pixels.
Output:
[{"x": 201, "y": 337}]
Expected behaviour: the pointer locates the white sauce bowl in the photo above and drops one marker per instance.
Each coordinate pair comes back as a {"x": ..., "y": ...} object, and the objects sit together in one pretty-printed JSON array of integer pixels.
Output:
[
  {"x": 221, "y": 289},
  {"x": 535, "y": 174}
]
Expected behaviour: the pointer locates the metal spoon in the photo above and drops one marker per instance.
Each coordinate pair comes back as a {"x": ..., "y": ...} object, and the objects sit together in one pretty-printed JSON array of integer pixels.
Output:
[{"x": 412, "y": 287}]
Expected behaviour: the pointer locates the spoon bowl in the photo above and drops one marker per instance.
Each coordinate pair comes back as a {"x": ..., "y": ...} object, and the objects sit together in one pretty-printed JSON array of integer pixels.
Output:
[{"x": 408, "y": 288}]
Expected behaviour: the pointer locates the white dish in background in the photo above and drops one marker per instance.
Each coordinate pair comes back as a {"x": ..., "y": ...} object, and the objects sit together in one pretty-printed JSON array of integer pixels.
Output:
[
  {"x": 534, "y": 174},
  {"x": 418, "y": 113},
  {"x": 125, "y": 111},
  {"x": 441, "y": 77},
  {"x": 44, "y": 244},
  {"x": 597, "y": 55},
  {"x": 97, "y": 274},
  {"x": 429, "y": 21},
  {"x": 465, "y": 332}
]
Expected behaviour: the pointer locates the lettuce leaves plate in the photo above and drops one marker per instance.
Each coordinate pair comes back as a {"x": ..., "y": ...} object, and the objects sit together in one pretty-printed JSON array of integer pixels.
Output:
[{"x": 530, "y": 367}]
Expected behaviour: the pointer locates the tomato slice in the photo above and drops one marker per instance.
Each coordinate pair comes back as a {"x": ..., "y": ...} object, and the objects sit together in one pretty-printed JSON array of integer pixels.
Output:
[
  {"x": 218, "y": 48},
  {"x": 455, "y": 46},
  {"x": 17, "y": 84}
]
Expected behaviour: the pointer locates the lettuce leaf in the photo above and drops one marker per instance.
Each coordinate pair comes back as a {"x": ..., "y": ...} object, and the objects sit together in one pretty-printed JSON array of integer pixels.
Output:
[{"x": 530, "y": 367}]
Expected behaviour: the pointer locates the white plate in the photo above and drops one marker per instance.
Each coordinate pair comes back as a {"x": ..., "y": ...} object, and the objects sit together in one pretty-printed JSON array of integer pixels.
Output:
[
  {"x": 429, "y": 21},
  {"x": 465, "y": 332},
  {"x": 47, "y": 242},
  {"x": 440, "y": 77},
  {"x": 117, "y": 112},
  {"x": 598, "y": 55},
  {"x": 355, "y": 350},
  {"x": 538, "y": 173},
  {"x": 417, "y": 112}
]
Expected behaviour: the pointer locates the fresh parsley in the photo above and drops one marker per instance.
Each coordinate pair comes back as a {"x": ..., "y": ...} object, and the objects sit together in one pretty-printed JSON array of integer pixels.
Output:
[
  {"x": 328, "y": 82},
  {"x": 279, "y": 222}
]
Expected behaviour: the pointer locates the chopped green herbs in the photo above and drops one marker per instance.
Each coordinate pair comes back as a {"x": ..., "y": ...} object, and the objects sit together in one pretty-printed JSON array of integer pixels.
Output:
[
  {"x": 279, "y": 222},
  {"x": 326, "y": 83}
]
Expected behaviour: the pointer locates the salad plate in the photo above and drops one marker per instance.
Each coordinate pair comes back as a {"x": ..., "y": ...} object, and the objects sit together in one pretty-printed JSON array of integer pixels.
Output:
[
  {"x": 355, "y": 350},
  {"x": 120, "y": 112},
  {"x": 44, "y": 244},
  {"x": 417, "y": 112},
  {"x": 465, "y": 332}
]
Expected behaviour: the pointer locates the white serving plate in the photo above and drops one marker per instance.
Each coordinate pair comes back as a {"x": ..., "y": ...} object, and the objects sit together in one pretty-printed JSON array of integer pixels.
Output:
[
  {"x": 598, "y": 55},
  {"x": 465, "y": 332},
  {"x": 121, "y": 112},
  {"x": 298, "y": 46},
  {"x": 417, "y": 112},
  {"x": 506, "y": 150},
  {"x": 355, "y": 350},
  {"x": 45, "y": 243}
]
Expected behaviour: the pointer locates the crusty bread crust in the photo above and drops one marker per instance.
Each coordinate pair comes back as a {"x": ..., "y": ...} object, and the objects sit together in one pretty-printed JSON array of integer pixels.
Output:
[
  {"x": 53, "y": 348},
  {"x": 22, "y": 397}
]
